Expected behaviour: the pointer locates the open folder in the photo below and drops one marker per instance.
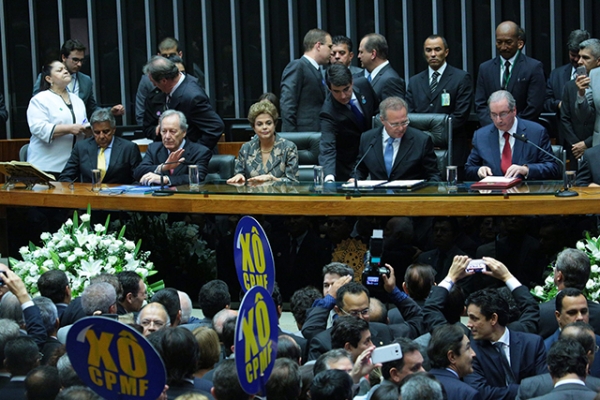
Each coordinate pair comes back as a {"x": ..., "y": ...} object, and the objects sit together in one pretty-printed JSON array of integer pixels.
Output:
[{"x": 495, "y": 183}]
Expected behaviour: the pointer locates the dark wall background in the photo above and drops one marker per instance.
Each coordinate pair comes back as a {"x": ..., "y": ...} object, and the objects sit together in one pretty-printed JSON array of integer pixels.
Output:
[{"x": 242, "y": 46}]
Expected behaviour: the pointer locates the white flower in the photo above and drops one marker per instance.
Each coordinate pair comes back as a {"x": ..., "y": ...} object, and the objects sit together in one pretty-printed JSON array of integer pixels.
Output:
[
  {"x": 595, "y": 269},
  {"x": 48, "y": 263},
  {"x": 98, "y": 228},
  {"x": 78, "y": 252},
  {"x": 85, "y": 217},
  {"x": 580, "y": 246},
  {"x": 112, "y": 260},
  {"x": 45, "y": 236},
  {"x": 71, "y": 258},
  {"x": 590, "y": 284},
  {"x": 129, "y": 245},
  {"x": 69, "y": 222},
  {"x": 143, "y": 272},
  {"x": 24, "y": 250},
  {"x": 81, "y": 237},
  {"x": 90, "y": 268}
]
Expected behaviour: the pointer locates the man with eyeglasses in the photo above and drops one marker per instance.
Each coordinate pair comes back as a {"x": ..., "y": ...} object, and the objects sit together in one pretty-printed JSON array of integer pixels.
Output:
[
  {"x": 72, "y": 54},
  {"x": 396, "y": 151},
  {"x": 496, "y": 152},
  {"x": 352, "y": 299},
  {"x": 152, "y": 317},
  {"x": 168, "y": 160},
  {"x": 115, "y": 157}
]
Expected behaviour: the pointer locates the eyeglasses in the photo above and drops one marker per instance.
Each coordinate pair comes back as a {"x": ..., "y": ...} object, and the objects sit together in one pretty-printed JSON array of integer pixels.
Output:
[
  {"x": 397, "y": 124},
  {"x": 356, "y": 313},
  {"x": 157, "y": 324},
  {"x": 77, "y": 60},
  {"x": 502, "y": 115}
]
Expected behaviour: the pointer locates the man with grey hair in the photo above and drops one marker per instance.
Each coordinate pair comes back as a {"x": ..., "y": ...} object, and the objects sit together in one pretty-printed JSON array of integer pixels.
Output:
[
  {"x": 152, "y": 317},
  {"x": 421, "y": 386},
  {"x": 395, "y": 150},
  {"x": 565, "y": 73},
  {"x": 187, "y": 96},
  {"x": 115, "y": 157},
  {"x": 571, "y": 270},
  {"x": 99, "y": 298},
  {"x": 577, "y": 129},
  {"x": 496, "y": 152},
  {"x": 168, "y": 160},
  {"x": 49, "y": 315}
]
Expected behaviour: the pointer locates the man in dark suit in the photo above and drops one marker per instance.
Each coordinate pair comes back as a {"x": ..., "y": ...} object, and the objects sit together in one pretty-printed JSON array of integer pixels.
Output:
[
  {"x": 21, "y": 356},
  {"x": 567, "y": 363},
  {"x": 187, "y": 96},
  {"x": 407, "y": 154},
  {"x": 443, "y": 89},
  {"x": 118, "y": 156},
  {"x": 451, "y": 357},
  {"x": 513, "y": 158},
  {"x": 577, "y": 128},
  {"x": 8, "y": 330},
  {"x": 504, "y": 357},
  {"x": 571, "y": 269},
  {"x": 513, "y": 71},
  {"x": 173, "y": 154},
  {"x": 373, "y": 56},
  {"x": 341, "y": 53},
  {"x": 72, "y": 54},
  {"x": 54, "y": 285},
  {"x": 346, "y": 114},
  {"x": 563, "y": 74},
  {"x": 572, "y": 306},
  {"x": 303, "y": 86},
  {"x": 542, "y": 384},
  {"x": 589, "y": 170}
]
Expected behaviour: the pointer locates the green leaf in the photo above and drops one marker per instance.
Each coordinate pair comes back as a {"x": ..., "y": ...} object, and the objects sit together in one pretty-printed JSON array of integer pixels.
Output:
[
  {"x": 106, "y": 224},
  {"x": 75, "y": 220},
  {"x": 32, "y": 247},
  {"x": 137, "y": 248},
  {"x": 122, "y": 232}
]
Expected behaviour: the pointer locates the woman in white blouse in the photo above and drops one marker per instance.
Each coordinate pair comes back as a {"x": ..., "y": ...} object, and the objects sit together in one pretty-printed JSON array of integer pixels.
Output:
[{"x": 56, "y": 119}]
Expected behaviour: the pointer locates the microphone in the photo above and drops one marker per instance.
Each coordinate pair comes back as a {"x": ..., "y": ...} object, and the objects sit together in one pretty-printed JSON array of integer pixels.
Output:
[
  {"x": 360, "y": 161},
  {"x": 565, "y": 191},
  {"x": 162, "y": 178}
]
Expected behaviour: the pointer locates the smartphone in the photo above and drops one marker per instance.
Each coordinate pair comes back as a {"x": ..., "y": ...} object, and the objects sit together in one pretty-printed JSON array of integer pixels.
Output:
[
  {"x": 581, "y": 71},
  {"x": 476, "y": 266},
  {"x": 387, "y": 353}
]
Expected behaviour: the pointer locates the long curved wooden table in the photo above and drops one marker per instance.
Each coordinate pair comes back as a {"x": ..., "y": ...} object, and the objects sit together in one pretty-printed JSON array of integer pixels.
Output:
[{"x": 299, "y": 200}]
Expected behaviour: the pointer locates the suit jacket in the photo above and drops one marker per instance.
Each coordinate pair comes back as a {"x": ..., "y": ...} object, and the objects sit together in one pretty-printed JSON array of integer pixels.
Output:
[
  {"x": 35, "y": 326},
  {"x": 204, "y": 124},
  {"x": 583, "y": 109},
  {"x": 302, "y": 96},
  {"x": 555, "y": 86},
  {"x": 195, "y": 153},
  {"x": 574, "y": 127},
  {"x": 415, "y": 159},
  {"x": 454, "y": 387},
  {"x": 569, "y": 391},
  {"x": 486, "y": 152},
  {"x": 338, "y": 122},
  {"x": 527, "y": 85},
  {"x": 124, "y": 158},
  {"x": 594, "y": 368},
  {"x": 540, "y": 385},
  {"x": 388, "y": 83},
  {"x": 188, "y": 387},
  {"x": 548, "y": 324},
  {"x": 456, "y": 83},
  {"x": 13, "y": 390},
  {"x": 86, "y": 91},
  {"x": 527, "y": 358},
  {"x": 589, "y": 170},
  {"x": 48, "y": 350}
]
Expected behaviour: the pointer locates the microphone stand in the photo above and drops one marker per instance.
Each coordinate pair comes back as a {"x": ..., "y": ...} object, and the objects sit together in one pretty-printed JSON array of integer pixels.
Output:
[
  {"x": 356, "y": 191},
  {"x": 162, "y": 192},
  {"x": 565, "y": 191}
]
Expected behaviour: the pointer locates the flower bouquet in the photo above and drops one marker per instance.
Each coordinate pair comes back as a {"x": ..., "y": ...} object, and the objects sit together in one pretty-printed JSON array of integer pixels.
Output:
[
  {"x": 83, "y": 251},
  {"x": 591, "y": 247}
]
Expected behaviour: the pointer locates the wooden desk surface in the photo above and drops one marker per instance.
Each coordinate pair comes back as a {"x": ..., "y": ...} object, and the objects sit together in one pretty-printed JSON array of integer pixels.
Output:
[{"x": 294, "y": 204}]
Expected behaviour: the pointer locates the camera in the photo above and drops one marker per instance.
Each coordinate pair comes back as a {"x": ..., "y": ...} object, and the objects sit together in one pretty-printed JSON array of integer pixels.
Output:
[{"x": 373, "y": 271}]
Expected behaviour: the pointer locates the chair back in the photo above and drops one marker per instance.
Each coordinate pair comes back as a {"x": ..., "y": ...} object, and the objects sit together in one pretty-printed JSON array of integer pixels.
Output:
[{"x": 308, "y": 151}]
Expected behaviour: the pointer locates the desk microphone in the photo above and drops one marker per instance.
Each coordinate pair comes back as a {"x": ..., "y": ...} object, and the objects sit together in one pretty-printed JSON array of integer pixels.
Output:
[
  {"x": 358, "y": 163},
  {"x": 162, "y": 193},
  {"x": 565, "y": 191}
]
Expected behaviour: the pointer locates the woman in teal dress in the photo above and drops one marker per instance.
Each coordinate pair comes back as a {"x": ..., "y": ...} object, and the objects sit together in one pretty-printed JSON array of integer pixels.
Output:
[{"x": 265, "y": 157}]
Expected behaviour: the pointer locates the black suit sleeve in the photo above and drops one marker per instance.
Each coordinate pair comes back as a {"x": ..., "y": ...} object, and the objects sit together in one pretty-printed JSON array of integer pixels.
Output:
[
  {"x": 204, "y": 117},
  {"x": 35, "y": 326},
  {"x": 535, "y": 94},
  {"x": 464, "y": 98},
  {"x": 198, "y": 155},
  {"x": 327, "y": 145},
  {"x": 153, "y": 107},
  {"x": 71, "y": 172},
  {"x": 584, "y": 174},
  {"x": 316, "y": 322},
  {"x": 291, "y": 80},
  {"x": 433, "y": 309},
  {"x": 530, "y": 311},
  {"x": 394, "y": 86},
  {"x": 413, "y": 325}
]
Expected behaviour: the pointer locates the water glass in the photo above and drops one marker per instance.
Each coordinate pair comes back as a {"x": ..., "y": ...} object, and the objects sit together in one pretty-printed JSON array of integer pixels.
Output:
[
  {"x": 96, "y": 180},
  {"x": 451, "y": 176},
  {"x": 319, "y": 177},
  {"x": 194, "y": 177}
]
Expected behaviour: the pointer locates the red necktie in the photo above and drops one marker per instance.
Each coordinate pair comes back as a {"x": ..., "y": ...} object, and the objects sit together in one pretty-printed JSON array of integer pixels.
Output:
[{"x": 506, "y": 154}]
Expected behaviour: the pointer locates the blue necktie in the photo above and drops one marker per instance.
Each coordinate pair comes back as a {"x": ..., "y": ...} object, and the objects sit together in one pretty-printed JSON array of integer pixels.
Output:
[
  {"x": 369, "y": 77},
  {"x": 360, "y": 118},
  {"x": 388, "y": 156}
]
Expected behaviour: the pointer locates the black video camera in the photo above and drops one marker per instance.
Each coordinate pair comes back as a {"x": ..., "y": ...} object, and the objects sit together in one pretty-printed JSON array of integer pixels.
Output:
[{"x": 373, "y": 271}]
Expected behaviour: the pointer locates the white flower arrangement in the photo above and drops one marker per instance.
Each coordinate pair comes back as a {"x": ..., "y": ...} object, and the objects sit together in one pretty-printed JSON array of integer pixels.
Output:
[
  {"x": 82, "y": 251},
  {"x": 591, "y": 247}
]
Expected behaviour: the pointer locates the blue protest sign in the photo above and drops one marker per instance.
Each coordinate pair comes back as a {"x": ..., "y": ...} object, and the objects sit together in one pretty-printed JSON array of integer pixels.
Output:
[
  {"x": 115, "y": 360},
  {"x": 256, "y": 340},
  {"x": 253, "y": 256}
]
